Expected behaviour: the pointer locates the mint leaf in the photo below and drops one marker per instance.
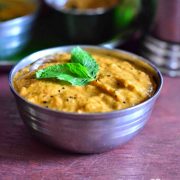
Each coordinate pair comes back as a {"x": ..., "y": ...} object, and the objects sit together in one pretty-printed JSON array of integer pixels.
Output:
[
  {"x": 68, "y": 68},
  {"x": 79, "y": 55},
  {"x": 73, "y": 80},
  {"x": 74, "y": 73},
  {"x": 81, "y": 70}
]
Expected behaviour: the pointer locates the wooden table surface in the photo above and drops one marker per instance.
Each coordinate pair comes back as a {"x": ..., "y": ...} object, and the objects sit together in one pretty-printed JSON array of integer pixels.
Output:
[{"x": 152, "y": 154}]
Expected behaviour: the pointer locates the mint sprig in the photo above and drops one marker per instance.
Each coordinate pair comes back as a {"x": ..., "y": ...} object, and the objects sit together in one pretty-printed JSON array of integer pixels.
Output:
[
  {"x": 78, "y": 55},
  {"x": 81, "y": 69}
]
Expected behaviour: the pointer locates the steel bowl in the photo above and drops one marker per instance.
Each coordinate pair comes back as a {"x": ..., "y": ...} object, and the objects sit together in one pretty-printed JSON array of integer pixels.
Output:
[
  {"x": 15, "y": 33},
  {"x": 88, "y": 132},
  {"x": 108, "y": 26}
]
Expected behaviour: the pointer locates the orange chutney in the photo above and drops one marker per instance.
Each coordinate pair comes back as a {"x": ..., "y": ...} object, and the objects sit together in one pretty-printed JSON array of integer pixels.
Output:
[{"x": 120, "y": 84}]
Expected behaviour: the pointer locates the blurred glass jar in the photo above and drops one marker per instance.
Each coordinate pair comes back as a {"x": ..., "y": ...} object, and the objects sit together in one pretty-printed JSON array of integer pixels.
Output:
[
  {"x": 16, "y": 18},
  {"x": 103, "y": 25}
]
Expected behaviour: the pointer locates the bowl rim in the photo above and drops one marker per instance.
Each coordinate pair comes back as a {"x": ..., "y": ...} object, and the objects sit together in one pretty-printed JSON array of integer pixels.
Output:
[
  {"x": 22, "y": 18},
  {"x": 76, "y": 12},
  {"x": 91, "y": 47}
]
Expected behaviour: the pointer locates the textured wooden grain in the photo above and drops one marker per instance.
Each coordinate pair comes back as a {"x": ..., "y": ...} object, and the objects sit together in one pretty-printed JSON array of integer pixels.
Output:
[{"x": 153, "y": 154}]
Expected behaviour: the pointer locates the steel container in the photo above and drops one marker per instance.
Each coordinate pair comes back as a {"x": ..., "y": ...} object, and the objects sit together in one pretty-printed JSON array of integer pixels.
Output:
[
  {"x": 108, "y": 26},
  {"x": 162, "y": 44},
  {"x": 88, "y": 132},
  {"x": 15, "y": 33}
]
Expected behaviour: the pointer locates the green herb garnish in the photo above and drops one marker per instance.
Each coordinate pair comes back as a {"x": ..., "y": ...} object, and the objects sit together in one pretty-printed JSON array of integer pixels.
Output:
[
  {"x": 78, "y": 55},
  {"x": 81, "y": 69}
]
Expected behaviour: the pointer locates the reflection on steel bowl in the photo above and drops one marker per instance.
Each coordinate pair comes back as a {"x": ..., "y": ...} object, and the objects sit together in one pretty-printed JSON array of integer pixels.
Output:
[
  {"x": 16, "y": 18},
  {"x": 87, "y": 132}
]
